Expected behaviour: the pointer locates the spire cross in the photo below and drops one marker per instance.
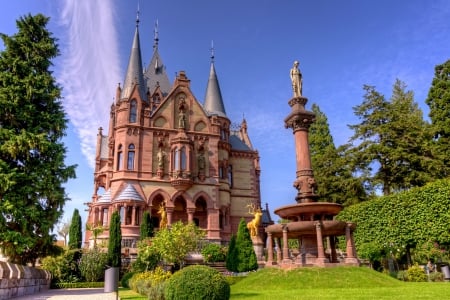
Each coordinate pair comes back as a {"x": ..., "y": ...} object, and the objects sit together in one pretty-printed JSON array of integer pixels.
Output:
[
  {"x": 156, "y": 39},
  {"x": 137, "y": 15},
  {"x": 212, "y": 51}
]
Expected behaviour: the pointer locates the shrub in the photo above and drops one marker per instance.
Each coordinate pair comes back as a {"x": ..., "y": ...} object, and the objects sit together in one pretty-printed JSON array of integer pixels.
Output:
[
  {"x": 148, "y": 257},
  {"x": 148, "y": 282},
  {"x": 125, "y": 278},
  {"x": 416, "y": 274},
  {"x": 93, "y": 264},
  {"x": 213, "y": 253},
  {"x": 436, "y": 276},
  {"x": 197, "y": 282},
  {"x": 64, "y": 268}
]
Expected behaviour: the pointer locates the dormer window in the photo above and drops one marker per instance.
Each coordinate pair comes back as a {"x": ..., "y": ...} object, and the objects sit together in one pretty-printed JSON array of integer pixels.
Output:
[{"x": 133, "y": 111}]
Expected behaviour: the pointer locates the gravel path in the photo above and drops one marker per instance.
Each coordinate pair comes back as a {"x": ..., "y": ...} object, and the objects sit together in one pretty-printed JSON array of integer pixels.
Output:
[{"x": 70, "y": 294}]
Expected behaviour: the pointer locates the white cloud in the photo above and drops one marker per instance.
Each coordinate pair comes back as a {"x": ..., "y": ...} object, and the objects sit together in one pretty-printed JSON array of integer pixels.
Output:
[{"x": 90, "y": 69}]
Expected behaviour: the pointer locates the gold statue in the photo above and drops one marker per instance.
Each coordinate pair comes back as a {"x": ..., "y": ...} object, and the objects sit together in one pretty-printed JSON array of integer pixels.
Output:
[
  {"x": 254, "y": 224},
  {"x": 163, "y": 215}
]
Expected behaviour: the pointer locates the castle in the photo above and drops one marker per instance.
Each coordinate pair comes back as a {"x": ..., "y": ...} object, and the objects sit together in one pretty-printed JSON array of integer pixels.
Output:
[{"x": 166, "y": 150}]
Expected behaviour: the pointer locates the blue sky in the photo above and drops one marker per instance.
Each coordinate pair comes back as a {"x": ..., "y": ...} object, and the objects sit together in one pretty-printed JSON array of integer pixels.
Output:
[{"x": 341, "y": 45}]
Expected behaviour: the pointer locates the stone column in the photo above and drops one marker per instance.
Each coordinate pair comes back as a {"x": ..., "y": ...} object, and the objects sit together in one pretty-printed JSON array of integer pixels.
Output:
[
  {"x": 320, "y": 250},
  {"x": 285, "y": 246},
  {"x": 190, "y": 213},
  {"x": 133, "y": 215},
  {"x": 277, "y": 245},
  {"x": 351, "y": 253},
  {"x": 169, "y": 211},
  {"x": 269, "y": 249}
]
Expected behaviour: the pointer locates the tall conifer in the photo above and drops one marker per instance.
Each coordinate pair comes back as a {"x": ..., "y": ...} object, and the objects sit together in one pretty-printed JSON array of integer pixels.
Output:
[
  {"x": 115, "y": 240},
  {"x": 75, "y": 233},
  {"x": 32, "y": 124}
]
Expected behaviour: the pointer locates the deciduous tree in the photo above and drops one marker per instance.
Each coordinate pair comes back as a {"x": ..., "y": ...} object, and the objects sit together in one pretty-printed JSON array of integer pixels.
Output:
[{"x": 32, "y": 124}]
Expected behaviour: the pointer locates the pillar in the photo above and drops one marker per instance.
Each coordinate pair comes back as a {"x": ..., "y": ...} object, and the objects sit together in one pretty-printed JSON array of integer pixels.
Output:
[
  {"x": 320, "y": 250},
  {"x": 285, "y": 245},
  {"x": 269, "y": 249},
  {"x": 133, "y": 215},
  {"x": 190, "y": 213},
  {"x": 351, "y": 253},
  {"x": 169, "y": 211}
]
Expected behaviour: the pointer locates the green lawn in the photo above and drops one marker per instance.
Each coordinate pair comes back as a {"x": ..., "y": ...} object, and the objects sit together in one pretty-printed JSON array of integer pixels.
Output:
[
  {"x": 340, "y": 283},
  {"x": 333, "y": 283}
]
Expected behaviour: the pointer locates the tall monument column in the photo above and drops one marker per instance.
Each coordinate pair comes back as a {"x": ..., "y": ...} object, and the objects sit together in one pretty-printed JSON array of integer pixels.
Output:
[{"x": 299, "y": 120}]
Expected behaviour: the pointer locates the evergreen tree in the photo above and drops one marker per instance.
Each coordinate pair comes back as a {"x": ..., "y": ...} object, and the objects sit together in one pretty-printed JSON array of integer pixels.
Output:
[
  {"x": 439, "y": 102},
  {"x": 391, "y": 150},
  {"x": 334, "y": 177},
  {"x": 231, "y": 259},
  {"x": 75, "y": 234},
  {"x": 146, "y": 229},
  {"x": 246, "y": 257},
  {"x": 115, "y": 240},
  {"x": 32, "y": 124}
]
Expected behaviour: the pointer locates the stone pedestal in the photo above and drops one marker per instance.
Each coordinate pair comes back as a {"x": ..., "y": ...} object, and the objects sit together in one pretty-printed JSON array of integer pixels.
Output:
[{"x": 258, "y": 246}]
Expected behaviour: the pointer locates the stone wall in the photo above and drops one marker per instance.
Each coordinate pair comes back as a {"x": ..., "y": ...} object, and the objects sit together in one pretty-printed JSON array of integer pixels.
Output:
[{"x": 17, "y": 280}]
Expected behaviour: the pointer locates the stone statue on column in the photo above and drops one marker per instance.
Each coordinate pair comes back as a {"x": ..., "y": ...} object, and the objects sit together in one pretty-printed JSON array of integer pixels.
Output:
[{"x": 296, "y": 78}]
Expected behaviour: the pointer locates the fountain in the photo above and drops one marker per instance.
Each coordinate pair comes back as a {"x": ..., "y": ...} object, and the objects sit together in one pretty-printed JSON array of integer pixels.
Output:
[{"x": 309, "y": 221}]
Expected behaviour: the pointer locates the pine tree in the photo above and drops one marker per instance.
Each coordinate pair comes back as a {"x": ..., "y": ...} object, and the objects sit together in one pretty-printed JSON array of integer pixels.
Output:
[
  {"x": 391, "y": 141},
  {"x": 32, "y": 124},
  {"x": 439, "y": 102},
  {"x": 146, "y": 229},
  {"x": 246, "y": 257},
  {"x": 75, "y": 233},
  {"x": 231, "y": 259},
  {"x": 332, "y": 173},
  {"x": 115, "y": 240}
]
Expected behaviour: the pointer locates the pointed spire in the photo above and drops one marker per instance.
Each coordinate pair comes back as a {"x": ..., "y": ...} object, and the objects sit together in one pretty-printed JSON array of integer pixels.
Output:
[
  {"x": 134, "y": 73},
  {"x": 155, "y": 74},
  {"x": 213, "y": 98}
]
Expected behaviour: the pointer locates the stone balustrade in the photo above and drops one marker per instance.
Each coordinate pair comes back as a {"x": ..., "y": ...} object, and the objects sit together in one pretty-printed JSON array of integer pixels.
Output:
[{"x": 18, "y": 280}]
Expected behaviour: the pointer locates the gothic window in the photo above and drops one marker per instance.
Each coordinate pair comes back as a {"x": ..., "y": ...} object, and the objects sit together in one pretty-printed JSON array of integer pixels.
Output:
[
  {"x": 129, "y": 213},
  {"x": 119, "y": 157},
  {"x": 133, "y": 111},
  {"x": 230, "y": 176},
  {"x": 130, "y": 161},
  {"x": 183, "y": 158},
  {"x": 177, "y": 159},
  {"x": 137, "y": 216},
  {"x": 122, "y": 214},
  {"x": 105, "y": 217}
]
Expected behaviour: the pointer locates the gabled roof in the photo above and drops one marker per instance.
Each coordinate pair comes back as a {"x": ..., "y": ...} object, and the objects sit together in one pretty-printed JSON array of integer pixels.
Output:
[
  {"x": 129, "y": 193},
  {"x": 213, "y": 98},
  {"x": 134, "y": 73}
]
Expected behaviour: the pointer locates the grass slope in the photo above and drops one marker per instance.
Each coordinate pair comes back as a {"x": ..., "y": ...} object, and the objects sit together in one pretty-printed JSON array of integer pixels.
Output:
[{"x": 332, "y": 283}]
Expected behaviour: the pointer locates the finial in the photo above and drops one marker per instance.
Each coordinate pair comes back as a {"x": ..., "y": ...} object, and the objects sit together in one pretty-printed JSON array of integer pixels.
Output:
[
  {"x": 212, "y": 51},
  {"x": 137, "y": 16},
  {"x": 156, "y": 38}
]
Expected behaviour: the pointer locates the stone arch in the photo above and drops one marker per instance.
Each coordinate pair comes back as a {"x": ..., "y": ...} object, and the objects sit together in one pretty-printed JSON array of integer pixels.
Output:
[
  {"x": 203, "y": 203},
  {"x": 155, "y": 200},
  {"x": 179, "y": 209}
]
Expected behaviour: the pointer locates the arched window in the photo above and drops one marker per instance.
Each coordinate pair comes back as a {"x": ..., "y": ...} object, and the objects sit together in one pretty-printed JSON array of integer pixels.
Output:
[
  {"x": 177, "y": 159},
  {"x": 133, "y": 111},
  {"x": 119, "y": 157},
  {"x": 130, "y": 161},
  {"x": 183, "y": 158}
]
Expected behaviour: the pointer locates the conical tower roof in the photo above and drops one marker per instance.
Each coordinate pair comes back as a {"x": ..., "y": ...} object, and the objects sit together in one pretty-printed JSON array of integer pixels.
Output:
[
  {"x": 156, "y": 74},
  {"x": 134, "y": 73},
  {"x": 213, "y": 98}
]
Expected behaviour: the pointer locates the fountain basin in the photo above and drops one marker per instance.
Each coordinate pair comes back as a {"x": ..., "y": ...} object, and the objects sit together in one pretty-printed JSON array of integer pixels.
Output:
[{"x": 292, "y": 212}]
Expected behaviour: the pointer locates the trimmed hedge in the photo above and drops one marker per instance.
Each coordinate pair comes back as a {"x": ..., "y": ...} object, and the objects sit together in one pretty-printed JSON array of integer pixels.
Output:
[{"x": 196, "y": 283}]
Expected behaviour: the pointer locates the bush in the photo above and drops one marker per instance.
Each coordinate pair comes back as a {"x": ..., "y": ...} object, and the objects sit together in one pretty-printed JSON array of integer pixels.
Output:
[
  {"x": 64, "y": 268},
  {"x": 416, "y": 274},
  {"x": 436, "y": 276},
  {"x": 93, "y": 264},
  {"x": 150, "y": 282},
  {"x": 213, "y": 253},
  {"x": 197, "y": 282},
  {"x": 124, "y": 282}
]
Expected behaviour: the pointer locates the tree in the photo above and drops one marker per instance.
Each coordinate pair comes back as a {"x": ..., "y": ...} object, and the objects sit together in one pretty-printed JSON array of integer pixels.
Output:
[
  {"x": 391, "y": 154},
  {"x": 231, "y": 259},
  {"x": 115, "y": 241},
  {"x": 439, "y": 102},
  {"x": 75, "y": 234},
  {"x": 146, "y": 229},
  {"x": 176, "y": 242},
  {"x": 333, "y": 175},
  {"x": 32, "y": 124},
  {"x": 246, "y": 257},
  {"x": 96, "y": 230},
  {"x": 63, "y": 230}
]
